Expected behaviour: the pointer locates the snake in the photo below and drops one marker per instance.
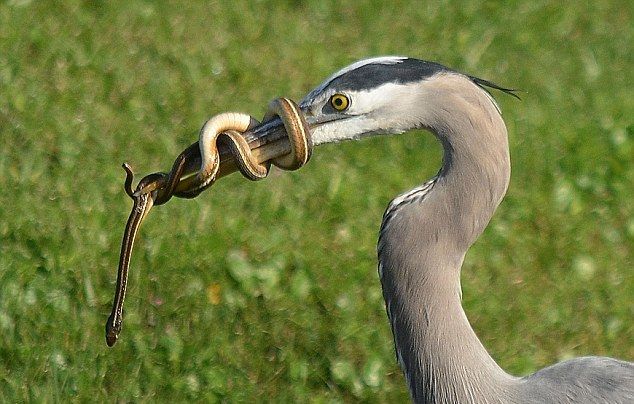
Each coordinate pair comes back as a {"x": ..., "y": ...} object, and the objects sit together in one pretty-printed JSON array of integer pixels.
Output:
[
  {"x": 227, "y": 127},
  {"x": 230, "y": 129}
]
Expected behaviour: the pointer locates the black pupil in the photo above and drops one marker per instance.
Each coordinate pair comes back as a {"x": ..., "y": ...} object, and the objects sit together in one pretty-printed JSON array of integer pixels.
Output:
[{"x": 338, "y": 102}]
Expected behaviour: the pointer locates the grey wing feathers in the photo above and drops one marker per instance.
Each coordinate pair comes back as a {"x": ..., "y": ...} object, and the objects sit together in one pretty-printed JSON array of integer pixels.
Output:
[{"x": 587, "y": 379}]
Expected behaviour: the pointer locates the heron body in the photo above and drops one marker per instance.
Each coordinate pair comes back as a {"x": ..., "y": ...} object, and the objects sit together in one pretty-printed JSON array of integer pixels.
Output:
[{"x": 427, "y": 231}]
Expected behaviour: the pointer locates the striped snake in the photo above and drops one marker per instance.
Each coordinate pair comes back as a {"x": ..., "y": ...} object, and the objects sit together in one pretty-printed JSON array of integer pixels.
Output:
[{"x": 186, "y": 180}]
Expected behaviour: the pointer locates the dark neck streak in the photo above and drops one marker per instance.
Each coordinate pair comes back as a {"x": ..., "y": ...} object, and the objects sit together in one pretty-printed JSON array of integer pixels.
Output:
[{"x": 422, "y": 247}]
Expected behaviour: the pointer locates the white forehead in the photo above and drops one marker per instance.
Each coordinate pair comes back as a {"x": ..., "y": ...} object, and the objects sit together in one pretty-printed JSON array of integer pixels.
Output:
[
  {"x": 382, "y": 60},
  {"x": 369, "y": 100}
]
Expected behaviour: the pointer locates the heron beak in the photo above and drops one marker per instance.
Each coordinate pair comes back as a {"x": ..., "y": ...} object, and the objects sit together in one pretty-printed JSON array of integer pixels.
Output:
[
  {"x": 267, "y": 140},
  {"x": 272, "y": 131}
]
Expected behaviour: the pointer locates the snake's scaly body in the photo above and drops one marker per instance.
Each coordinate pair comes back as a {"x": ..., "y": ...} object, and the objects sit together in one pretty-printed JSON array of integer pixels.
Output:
[{"x": 158, "y": 188}]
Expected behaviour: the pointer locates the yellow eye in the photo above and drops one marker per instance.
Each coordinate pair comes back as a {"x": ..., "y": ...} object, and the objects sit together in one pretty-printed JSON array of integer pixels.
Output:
[{"x": 339, "y": 102}]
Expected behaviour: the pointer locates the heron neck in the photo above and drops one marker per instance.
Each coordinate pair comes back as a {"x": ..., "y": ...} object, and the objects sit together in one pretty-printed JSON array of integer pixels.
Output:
[
  {"x": 421, "y": 252},
  {"x": 476, "y": 167}
]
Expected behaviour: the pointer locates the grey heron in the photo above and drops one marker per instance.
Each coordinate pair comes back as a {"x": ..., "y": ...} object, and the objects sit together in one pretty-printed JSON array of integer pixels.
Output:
[{"x": 426, "y": 232}]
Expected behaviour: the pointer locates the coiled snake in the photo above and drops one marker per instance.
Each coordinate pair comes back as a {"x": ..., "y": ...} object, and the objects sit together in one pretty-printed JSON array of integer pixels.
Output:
[{"x": 244, "y": 153}]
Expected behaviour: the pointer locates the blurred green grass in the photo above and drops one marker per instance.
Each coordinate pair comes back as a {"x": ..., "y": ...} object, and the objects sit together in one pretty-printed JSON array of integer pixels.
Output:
[{"x": 260, "y": 291}]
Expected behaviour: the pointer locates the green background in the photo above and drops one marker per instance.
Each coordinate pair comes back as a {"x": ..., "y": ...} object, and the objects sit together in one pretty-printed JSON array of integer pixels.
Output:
[{"x": 269, "y": 290}]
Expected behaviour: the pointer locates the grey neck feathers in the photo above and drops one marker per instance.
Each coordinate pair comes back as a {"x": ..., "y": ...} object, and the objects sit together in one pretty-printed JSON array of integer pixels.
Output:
[{"x": 422, "y": 246}]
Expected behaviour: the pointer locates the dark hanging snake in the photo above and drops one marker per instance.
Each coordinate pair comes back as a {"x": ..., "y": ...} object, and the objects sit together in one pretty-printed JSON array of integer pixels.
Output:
[{"x": 243, "y": 152}]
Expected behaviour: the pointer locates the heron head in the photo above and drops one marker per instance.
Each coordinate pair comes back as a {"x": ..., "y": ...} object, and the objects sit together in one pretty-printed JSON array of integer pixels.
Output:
[
  {"x": 385, "y": 95},
  {"x": 372, "y": 96}
]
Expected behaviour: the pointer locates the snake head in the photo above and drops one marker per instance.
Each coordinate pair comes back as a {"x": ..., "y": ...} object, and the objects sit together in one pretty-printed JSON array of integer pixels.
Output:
[{"x": 113, "y": 328}]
